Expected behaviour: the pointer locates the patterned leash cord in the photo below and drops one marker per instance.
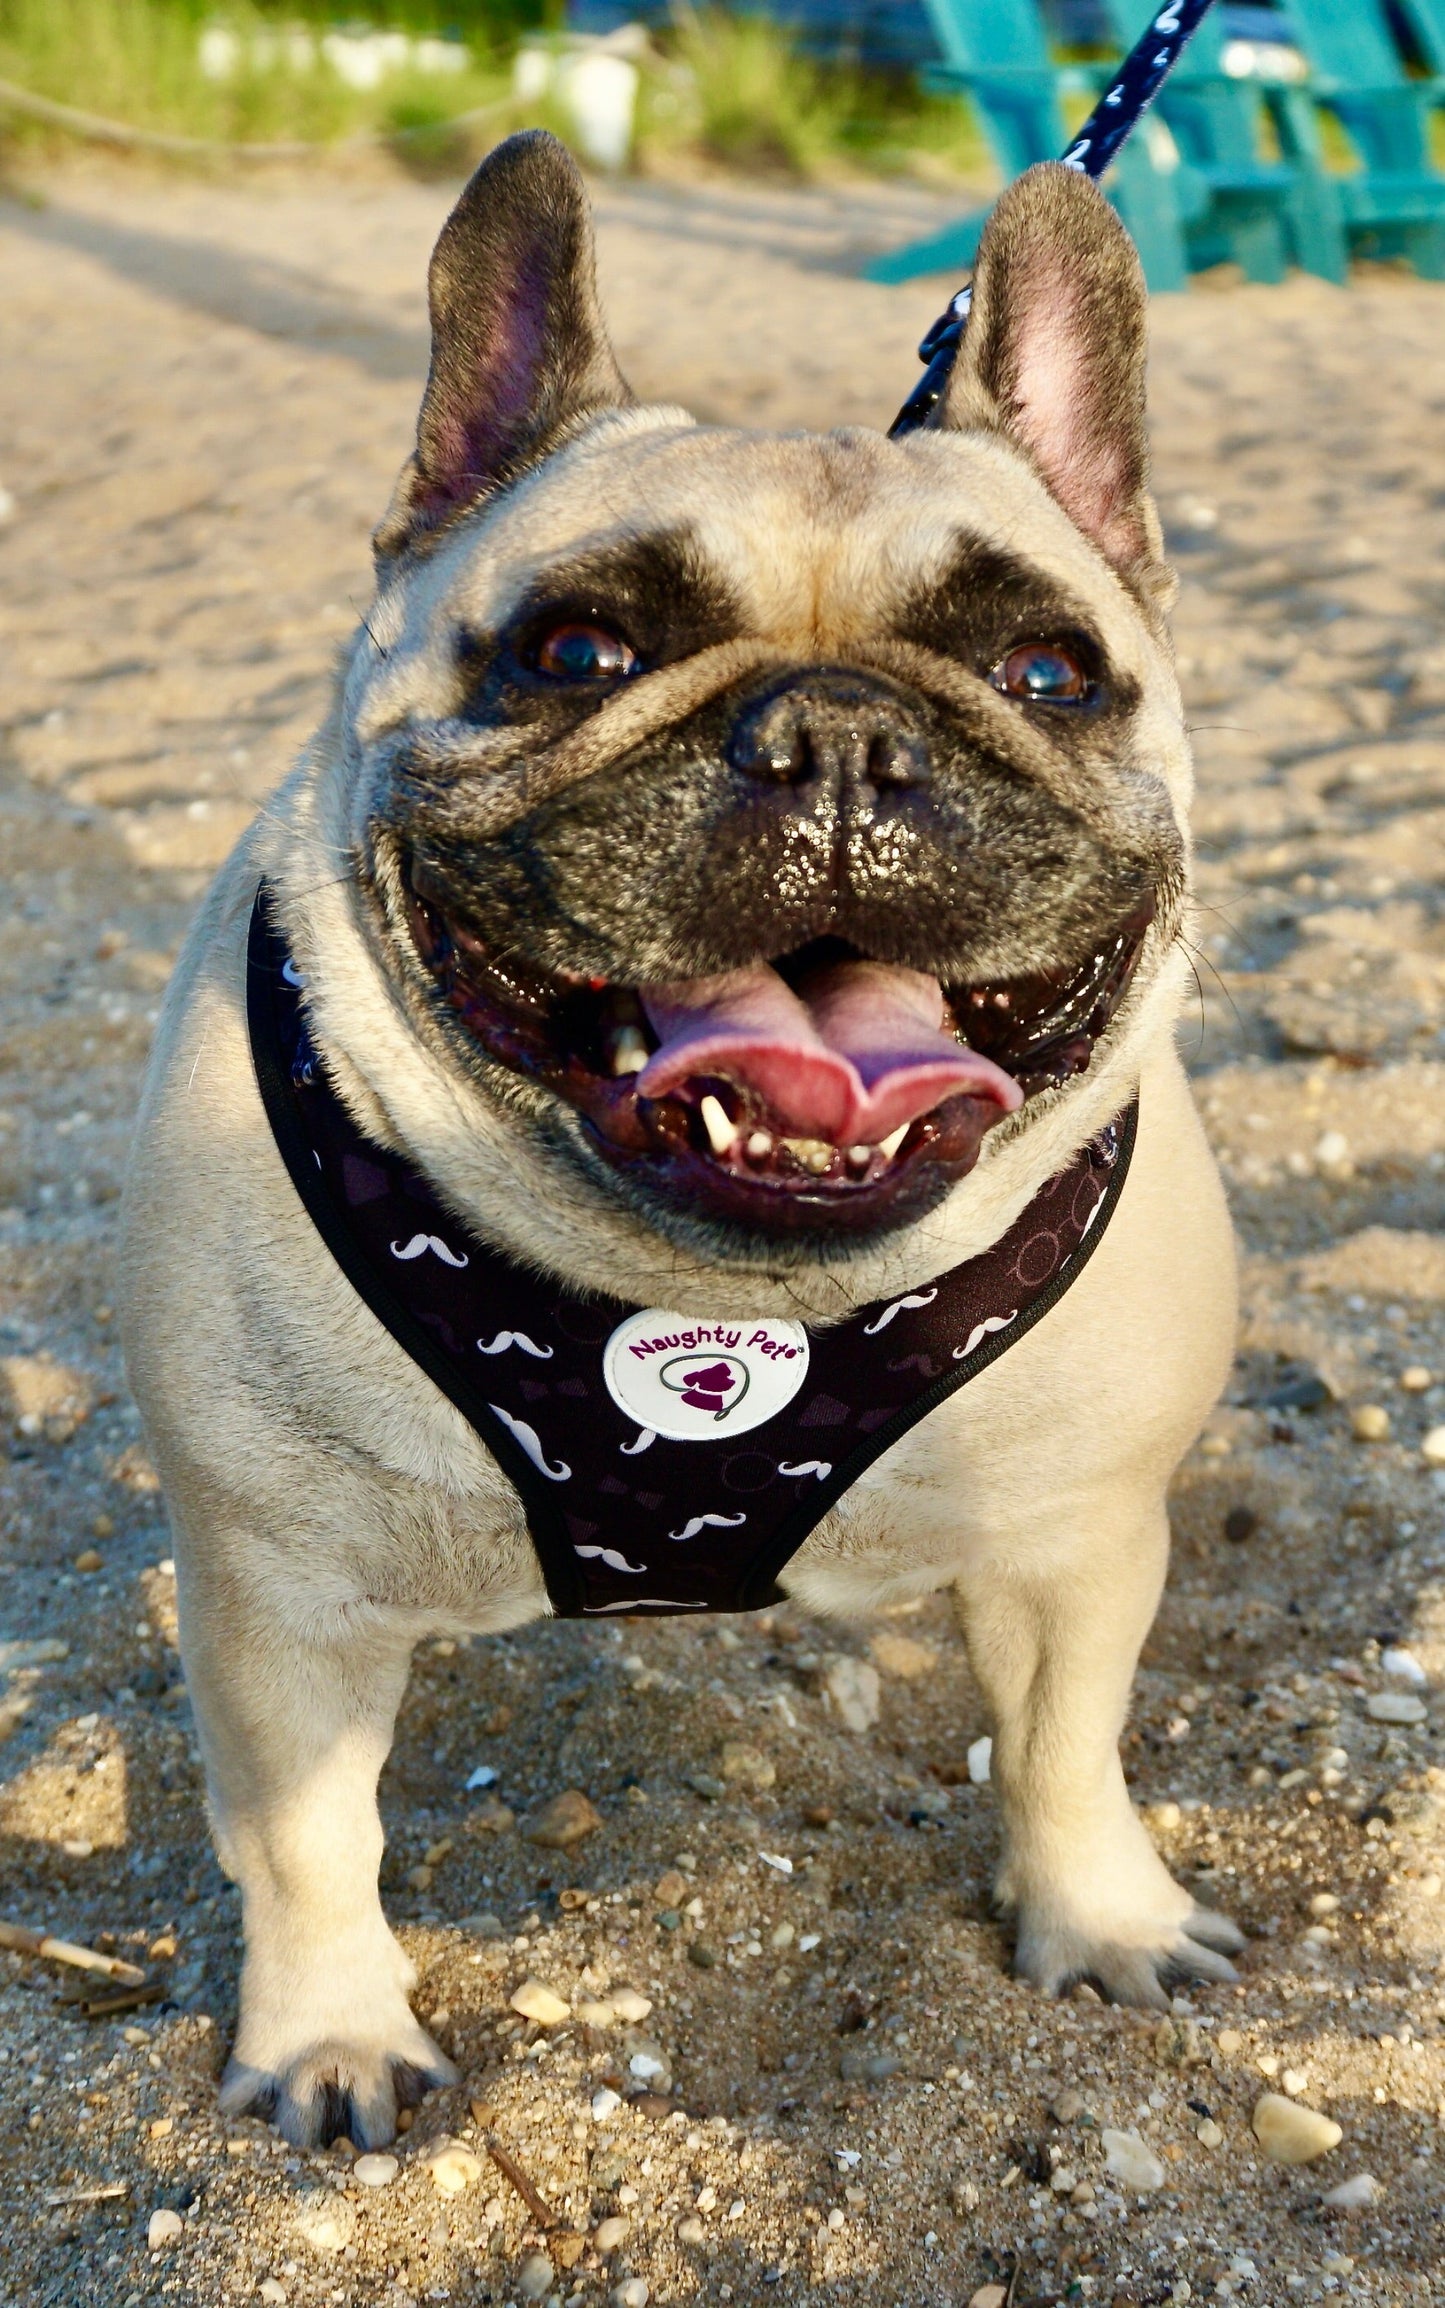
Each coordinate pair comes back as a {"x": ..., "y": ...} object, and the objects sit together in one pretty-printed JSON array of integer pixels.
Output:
[{"x": 1123, "y": 103}]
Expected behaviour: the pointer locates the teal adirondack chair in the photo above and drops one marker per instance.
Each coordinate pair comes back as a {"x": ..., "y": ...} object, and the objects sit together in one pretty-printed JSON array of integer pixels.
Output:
[
  {"x": 1395, "y": 204},
  {"x": 1425, "y": 19},
  {"x": 1258, "y": 211},
  {"x": 997, "y": 52}
]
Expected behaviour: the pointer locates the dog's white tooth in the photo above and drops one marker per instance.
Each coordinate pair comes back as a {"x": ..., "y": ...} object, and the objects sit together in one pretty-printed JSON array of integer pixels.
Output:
[
  {"x": 759, "y": 1146},
  {"x": 721, "y": 1133},
  {"x": 859, "y": 1157},
  {"x": 889, "y": 1146},
  {"x": 629, "y": 1050}
]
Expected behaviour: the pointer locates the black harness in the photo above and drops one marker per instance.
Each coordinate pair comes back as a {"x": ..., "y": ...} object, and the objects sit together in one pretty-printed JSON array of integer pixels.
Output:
[{"x": 665, "y": 1463}]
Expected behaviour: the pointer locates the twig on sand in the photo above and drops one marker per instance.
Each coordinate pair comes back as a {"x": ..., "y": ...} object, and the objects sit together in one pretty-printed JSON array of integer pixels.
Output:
[
  {"x": 27, "y": 1942},
  {"x": 104, "y": 2192},
  {"x": 511, "y": 2170}
]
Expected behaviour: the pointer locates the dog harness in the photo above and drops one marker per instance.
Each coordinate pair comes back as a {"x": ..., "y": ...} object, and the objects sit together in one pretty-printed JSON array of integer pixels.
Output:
[{"x": 665, "y": 1463}]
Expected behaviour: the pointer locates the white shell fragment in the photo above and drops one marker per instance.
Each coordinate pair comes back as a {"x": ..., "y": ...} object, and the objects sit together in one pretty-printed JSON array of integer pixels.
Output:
[
  {"x": 1395, "y": 1707},
  {"x": 1132, "y": 2162},
  {"x": 536, "y": 2001},
  {"x": 1291, "y": 2133}
]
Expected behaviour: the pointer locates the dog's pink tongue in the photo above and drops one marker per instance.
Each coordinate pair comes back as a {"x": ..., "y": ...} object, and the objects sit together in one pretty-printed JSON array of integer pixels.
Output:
[{"x": 858, "y": 1054}]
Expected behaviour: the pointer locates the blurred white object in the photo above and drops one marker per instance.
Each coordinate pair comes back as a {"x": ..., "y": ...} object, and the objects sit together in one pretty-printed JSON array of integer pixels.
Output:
[
  {"x": 361, "y": 59},
  {"x": 980, "y": 1762},
  {"x": 1263, "y": 60},
  {"x": 218, "y": 52},
  {"x": 595, "y": 83},
  {"x": 599, "y": 95},
  {"x": 364, "y": 59}
]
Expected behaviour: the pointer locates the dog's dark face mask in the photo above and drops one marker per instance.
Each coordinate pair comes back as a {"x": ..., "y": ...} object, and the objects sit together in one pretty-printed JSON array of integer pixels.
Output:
[{"x": 777, "y": 815}]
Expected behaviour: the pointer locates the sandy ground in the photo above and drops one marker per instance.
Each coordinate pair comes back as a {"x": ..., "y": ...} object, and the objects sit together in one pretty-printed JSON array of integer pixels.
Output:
[{"x": 206, "y": 395}]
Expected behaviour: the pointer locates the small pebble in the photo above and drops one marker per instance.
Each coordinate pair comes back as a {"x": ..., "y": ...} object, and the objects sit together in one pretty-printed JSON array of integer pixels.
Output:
[
  {"x": 325, "y": 2222},
  {"x": 1432, "y": 1449},
  {"x": 611, "y": 2234},
  {"x": 854, "y": 1688},
  {"x": 1291, "y": 2133},
  {"x": 1209, "y": 2134},
  {"x": 1370, "y": 1422},
  {"x": 1355, "y": 2194},
  {"x": 605, "y": 2103},
  {"x": 272, "y": 2292},
  {"x": 375, "y": 2171},
  {"x": 632, "y": 2294},
  {"x": 701, "y": 1954},
  {"x": 1240, "y": 1525},
  {"x": 536, "y": 2276},
  {"x": 564, "y": 1821},
  {"x": 1324, "y": 1903},
  {"x": 164, "y": 2228},
  {"x": 1131, "y": 2162},
  {"x": 980, "y": 1761},
  {"x": 89, "y": 1559},
  {"x": 1068, "y": 2107},
  {"x": 453, "y": 2168},
  {"x": 747, "y": 1766},
  {"x": 900, "y": 1655},
  {"x": 989, "y": 2296},
  {"x": 1403, "y": 1665},
  {"x": 691, "y": 2230},
  {"x": 536, "y": 2001},
  {"x": 1229, "y": 2041},
  {"x": 1395, "y": 1707},
  {"x": 1415, "y": 1378},
  {"x": 629, "y": 2005}
]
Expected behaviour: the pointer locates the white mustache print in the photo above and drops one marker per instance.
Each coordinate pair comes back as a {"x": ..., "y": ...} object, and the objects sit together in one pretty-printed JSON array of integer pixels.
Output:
[
  {"x": 531, "y": 1443},
  {"x": 822, "y": 1468},
  {"x": 611, "y": 1558},
  {"x": 639, "y": 1603},
  {"x": 697, "y": 1523},
  {"x": 506, "y": 1338},
  {"x": 981, "y": 1331},
  {"x": 644, "y": 1442},
  {"x": 913, "y": 1298},
  {"x": 421, "y": 1243}
]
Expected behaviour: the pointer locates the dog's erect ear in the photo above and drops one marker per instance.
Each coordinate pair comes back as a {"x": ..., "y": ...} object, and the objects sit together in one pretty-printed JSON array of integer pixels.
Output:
[
  {"x": 519, "y": 350},
  {"x": 1054, "y": 355}
]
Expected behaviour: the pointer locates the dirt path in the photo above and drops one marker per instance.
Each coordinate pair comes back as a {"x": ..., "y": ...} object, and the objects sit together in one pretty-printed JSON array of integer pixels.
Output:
[{"x": 207, "y": 395}]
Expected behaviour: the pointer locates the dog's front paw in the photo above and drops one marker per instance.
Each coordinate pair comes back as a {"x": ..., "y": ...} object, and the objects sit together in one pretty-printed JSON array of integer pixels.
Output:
[
  {"x": 1133, "y": 1935},
  {"x": 340, "y": 2086},
  {"x": 1127, "y": 1964}
]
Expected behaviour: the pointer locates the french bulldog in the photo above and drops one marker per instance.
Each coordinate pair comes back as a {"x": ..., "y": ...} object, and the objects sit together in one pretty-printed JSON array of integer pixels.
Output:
[{"x": 701, "y": 877}]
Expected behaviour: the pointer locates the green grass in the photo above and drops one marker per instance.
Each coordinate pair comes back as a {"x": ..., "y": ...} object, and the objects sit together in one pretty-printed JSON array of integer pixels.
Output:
[
  {"x": 730, "y": 90},
  {"x": 137, "y": 62},
  {"x": 737, "y": 90}
]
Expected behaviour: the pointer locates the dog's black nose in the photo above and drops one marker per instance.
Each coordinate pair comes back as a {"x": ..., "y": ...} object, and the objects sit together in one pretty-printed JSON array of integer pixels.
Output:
[{"x": 839, "y": 727}]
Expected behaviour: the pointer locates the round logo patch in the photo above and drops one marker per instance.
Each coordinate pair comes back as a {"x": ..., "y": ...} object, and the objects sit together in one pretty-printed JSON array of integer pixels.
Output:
[{"x": 703, "y": 1381}]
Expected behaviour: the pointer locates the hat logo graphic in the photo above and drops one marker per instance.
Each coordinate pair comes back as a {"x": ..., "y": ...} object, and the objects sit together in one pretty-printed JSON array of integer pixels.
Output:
[{"x": 714, "y": 1384}]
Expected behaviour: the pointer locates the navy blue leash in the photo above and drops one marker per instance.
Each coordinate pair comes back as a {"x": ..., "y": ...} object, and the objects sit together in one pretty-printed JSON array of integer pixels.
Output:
[{"x": 1123, "y": 103}]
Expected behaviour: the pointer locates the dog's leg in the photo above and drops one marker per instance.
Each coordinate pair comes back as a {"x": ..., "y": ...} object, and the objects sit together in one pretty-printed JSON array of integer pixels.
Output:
[
  {"x": 294, "y": 1734},
  {"x": 1053, "y": 1634}
]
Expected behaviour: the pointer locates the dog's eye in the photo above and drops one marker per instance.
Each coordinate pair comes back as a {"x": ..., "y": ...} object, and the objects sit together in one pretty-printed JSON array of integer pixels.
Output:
[
  {"x": 1042, "y": 673},
  {"x": 583, "y": 653}
]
